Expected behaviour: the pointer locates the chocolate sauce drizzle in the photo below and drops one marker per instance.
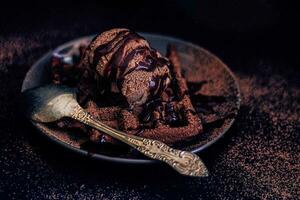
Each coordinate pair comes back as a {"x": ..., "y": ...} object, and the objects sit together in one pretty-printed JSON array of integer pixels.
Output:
[{"x": 117, "y": 67}]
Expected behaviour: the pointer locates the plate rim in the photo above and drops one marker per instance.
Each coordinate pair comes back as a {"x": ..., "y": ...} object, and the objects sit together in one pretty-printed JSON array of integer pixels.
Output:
[{"x": 134, "y": 160}]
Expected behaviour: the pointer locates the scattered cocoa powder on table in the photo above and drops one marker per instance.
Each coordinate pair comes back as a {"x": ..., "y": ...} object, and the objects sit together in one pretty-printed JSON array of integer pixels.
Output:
[{"x": 257, "y": 159}]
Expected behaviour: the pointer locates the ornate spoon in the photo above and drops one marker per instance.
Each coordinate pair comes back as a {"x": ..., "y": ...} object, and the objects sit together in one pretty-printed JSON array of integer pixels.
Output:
[{"x": 52, "y": 102}]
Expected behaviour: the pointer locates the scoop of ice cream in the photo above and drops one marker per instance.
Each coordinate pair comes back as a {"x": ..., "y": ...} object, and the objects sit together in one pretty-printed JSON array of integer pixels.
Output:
[{"x": 132, "y": 67}]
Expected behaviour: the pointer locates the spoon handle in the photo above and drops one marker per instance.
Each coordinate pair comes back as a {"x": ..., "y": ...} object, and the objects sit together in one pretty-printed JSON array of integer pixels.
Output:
[{"x": 184, "y": 162}]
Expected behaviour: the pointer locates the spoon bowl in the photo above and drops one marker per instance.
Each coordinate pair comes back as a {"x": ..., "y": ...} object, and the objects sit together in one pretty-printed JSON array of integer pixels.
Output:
[{"x": 49, "y": 103}]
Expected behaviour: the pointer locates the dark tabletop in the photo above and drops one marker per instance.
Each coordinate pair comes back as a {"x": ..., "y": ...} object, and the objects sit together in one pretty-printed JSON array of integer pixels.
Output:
[{"x": 257, "y": 159}]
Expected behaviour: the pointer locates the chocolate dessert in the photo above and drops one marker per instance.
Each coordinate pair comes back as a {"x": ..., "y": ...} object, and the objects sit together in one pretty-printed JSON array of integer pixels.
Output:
[
  {"x": 126, "y": 64},
  {"x": 128, "y": 85}
]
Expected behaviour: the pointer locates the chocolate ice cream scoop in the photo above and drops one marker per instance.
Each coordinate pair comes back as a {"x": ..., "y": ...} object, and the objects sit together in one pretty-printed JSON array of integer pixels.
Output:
[{"x": 130, "y": 65}]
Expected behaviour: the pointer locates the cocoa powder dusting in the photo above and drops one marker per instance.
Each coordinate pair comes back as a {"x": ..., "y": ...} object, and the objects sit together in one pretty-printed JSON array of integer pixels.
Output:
[{"x": 257, "y": 159}]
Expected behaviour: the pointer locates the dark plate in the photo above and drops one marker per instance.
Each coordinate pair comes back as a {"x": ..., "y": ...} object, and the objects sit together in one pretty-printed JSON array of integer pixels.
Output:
[{"x": 219, "y": 89}]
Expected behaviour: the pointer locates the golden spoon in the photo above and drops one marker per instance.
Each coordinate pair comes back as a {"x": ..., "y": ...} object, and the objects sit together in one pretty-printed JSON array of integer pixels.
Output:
[{"x": 52, "y": 102}]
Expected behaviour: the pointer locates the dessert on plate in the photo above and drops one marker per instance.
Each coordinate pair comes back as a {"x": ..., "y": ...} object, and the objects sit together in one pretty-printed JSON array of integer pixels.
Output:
[{"x": 124, "y": 82}]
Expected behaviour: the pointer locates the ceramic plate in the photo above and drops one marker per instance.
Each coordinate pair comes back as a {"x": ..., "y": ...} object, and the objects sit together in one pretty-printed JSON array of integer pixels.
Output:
[{"x": 219, "y": 89}]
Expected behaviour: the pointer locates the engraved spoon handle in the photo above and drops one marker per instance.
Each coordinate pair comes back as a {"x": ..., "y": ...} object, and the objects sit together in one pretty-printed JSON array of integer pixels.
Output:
[{"x": 183, "y": 162}]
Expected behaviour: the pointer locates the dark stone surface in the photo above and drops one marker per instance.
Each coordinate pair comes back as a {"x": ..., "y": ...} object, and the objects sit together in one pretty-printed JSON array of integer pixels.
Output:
[{"x": 258, "y": 158}]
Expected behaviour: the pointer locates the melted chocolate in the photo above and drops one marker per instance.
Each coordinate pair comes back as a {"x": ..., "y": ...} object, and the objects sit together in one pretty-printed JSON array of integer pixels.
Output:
[
  {"x": 124, "y": 63},
  {"x": 107, "y": 48},
  {"x": 172, "y": 117},
  {"x": 122, "y": 39},
  {"x": 150, "y": 63},
  {"x": 116, "y": 69},
  {"x": 111, "y": 68}
]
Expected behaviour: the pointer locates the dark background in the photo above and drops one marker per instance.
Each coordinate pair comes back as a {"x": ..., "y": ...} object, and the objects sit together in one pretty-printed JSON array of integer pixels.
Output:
[{"x": 257, "y": 159}]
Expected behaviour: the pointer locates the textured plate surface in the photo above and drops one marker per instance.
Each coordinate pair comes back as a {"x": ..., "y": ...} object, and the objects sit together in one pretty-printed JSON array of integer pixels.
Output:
[{"x": 198, "y": 64}]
